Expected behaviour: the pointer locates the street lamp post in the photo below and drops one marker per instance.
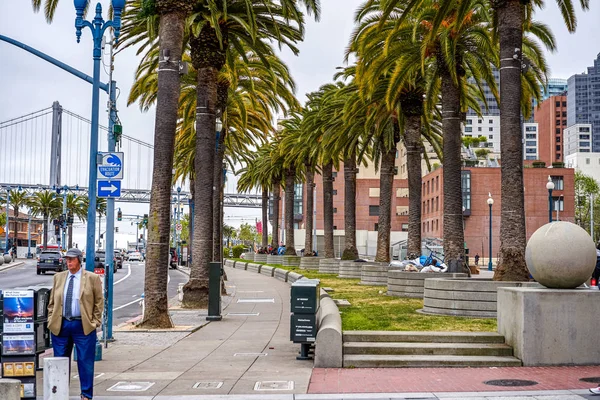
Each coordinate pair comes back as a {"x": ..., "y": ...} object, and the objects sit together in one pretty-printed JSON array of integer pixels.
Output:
[
  {"x": 64, "y": 217},
  {"x": 490, "y": 202},
  {"x": 29, "y": 236},
  {"x": 97, "y": 27},
  {"x": 178, "y": 216},
  {"x": 550, "y": 187}
]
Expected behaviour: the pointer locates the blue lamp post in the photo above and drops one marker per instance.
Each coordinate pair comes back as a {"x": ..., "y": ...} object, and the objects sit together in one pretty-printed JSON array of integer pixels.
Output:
[
  {"x": 490, "y": 202},
  {"x": 7, "y": 217},
  {"x": 98, "y": 26}
]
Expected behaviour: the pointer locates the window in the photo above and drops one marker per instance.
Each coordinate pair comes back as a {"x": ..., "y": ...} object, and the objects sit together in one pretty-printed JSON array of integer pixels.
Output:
[
  {"x": 469, "y": 122},
  {"x": 437, "y": 183},
  {"x": 490, "y": 137},
  {"x": 558, "y": 104},
  {"x": 374, "y": 211},
  {"x": 559, "y": 204},
  {"x": 466, "y": 189},
  {"x": 479, "y": 129},
  {"x": 334, "y": 174},
  {"x": 564, "y": 122},
  {"x": 558, "y": 114},
  {"x": 335, "y": 210},
  {"x": 491, "y": 121},
  {"x": 558, "y": 147},
  {"x": 491, "y": 129},
  {"x": 468, "y": 129},
  {"x": 584, "y": 144},
  {"x": 564, "y": 114},
  {"x": 530, "y": 136},
  {"x": 437, "y": 204},
  {"x": 479, "y": 121},
  {"x": 584, "y": 137},
  {"x": 404, "y": 228},
  {"x": 584, "y": 129},
  {"x": 530, "y": 143},
  {"x": 334, "y": 192},
  {"x": 564, "y": 103},
  {"x": 558, "y": 122},
  {"x": 558, "y": 131},
  {"x": 531, "y": 128},
  {"x": 587, "y": 161},
  {"x": 530, "y": 151},
  {"x": 335, "y": 227},
  {"x": 490, "y": 144},
  {"x": 558, "y": 139},
  {"x": 557, "y": 157}
]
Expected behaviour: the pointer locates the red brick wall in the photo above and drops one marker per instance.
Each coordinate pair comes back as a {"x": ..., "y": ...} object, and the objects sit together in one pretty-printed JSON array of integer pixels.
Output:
[{"x": 546, "y": 118}]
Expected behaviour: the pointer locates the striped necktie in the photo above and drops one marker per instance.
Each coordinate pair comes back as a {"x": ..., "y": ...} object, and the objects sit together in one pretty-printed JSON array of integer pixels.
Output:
[{"x": 69, "y": 301}]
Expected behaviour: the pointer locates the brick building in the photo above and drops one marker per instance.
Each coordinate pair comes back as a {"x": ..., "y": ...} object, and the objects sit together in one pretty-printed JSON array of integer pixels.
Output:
[
  {"x": 477, "y": 184},
  {"x": 551, "y": 117},
  {"x": 20, "y": 226}
]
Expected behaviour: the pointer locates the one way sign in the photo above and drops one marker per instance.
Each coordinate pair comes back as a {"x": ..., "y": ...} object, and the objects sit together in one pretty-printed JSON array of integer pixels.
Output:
[{"x": 109, "y": 188}]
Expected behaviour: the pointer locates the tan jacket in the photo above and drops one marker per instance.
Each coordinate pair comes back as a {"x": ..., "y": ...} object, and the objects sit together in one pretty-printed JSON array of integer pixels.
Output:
[{"x": 91, "y": 301}]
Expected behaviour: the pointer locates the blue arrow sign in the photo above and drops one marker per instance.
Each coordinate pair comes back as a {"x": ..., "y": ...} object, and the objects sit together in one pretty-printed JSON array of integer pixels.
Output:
[{"x": 109, "y": 188}]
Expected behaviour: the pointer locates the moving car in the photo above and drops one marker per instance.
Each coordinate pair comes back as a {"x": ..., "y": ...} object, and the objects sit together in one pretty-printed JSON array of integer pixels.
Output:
[
  {"x": 50, "y": 260},
  {"x": 173, "y": 258},
  {"x": 135, "y": 256},
  {"x": 118, "y": 259}
]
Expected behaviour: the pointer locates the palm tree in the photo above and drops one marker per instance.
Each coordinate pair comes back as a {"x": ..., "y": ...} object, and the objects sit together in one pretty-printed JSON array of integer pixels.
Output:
[
  {"x": 18, "y": 199},
  {"x": 46, "y": 204},
  {"x": 76, "y": 207}
]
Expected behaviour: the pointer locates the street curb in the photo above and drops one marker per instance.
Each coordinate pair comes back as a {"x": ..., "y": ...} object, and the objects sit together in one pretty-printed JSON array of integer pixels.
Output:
[{"x": 6, "y": 267}]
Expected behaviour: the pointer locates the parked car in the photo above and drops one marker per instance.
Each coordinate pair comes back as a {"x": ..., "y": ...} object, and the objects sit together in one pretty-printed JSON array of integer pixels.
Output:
[
  {"x": 101, "y": 256},
  {"x": 135, "y": 256},
  {"x": 173, "y": 258},
  {"x": 50, "y": 260}
]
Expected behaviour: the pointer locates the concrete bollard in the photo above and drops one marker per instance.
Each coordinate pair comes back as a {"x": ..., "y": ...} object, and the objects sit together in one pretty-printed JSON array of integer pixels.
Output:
[
  {"x": 56, "y": 378},
  {"x": 10, "y": 389}
]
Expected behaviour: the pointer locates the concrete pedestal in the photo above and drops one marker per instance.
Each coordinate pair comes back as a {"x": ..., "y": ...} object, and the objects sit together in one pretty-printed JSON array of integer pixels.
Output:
[
  {"x": 260, "y": 258},
  {"x": 56, "y": 378},
  {"x": 274, "y": 260},
  {"x": 329, "y": 265},
  {"x": 310, "y": 263},
  {"x": 550, "y": 326}
]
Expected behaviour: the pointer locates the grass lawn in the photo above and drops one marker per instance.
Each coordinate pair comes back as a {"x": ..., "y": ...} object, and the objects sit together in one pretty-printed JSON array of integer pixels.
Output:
[{"x": 372, "y": 309}]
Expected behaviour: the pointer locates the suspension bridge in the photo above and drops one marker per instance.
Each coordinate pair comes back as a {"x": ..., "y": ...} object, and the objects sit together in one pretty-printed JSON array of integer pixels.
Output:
[{"x": 49, "y": 149}]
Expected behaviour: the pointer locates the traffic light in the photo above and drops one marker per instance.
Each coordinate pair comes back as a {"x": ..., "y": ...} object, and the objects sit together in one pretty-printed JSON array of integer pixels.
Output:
[
  {"x": 117, "y": 229},
  {"x": 119, "y": 215},
  {"x": 70, "y": 219},
  {"x": 56, "y": 229},
  {"x": 146, "y": 219}
]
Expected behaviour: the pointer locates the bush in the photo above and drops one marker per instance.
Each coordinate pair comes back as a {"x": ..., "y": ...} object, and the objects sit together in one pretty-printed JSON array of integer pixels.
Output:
[
  {"x": 238, "y": 250},
  {"x": 226, "y": 251},
  {"x": 539, "y": 164},
  {"x": 558, "y": 165}
]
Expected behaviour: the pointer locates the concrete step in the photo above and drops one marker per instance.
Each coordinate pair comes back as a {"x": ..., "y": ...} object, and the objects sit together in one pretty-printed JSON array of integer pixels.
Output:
[
  {"x": 422, "y": 337},
  {"x": 412, "y": 361},
  {"x": 414, "y": 348}
]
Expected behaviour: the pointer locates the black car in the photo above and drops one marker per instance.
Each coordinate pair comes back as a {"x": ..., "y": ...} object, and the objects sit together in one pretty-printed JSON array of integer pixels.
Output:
[
  {"x": 50, "y": 260},
  {"x": 101, "y": 259},
  {"x": 118, "y": 259}
]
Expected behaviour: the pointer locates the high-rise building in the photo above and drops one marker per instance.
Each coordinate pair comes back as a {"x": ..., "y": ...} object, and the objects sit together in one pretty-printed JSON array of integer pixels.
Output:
[
  {"x": 551, "y": 117},
  {"x": 556, "y": 87},
  {"x": 583, "y": 100}
]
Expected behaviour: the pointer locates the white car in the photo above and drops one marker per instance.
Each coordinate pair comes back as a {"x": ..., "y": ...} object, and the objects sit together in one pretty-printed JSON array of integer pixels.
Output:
[{"x": 135, "y": 256}]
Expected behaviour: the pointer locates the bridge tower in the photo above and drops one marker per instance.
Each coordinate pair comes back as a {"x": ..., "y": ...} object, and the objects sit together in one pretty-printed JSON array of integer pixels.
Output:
[{"x": 56, "y": 144}]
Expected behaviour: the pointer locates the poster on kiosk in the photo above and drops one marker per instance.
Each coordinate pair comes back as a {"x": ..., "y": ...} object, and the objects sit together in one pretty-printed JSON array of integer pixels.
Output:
[{"x": 18, "y": 339}]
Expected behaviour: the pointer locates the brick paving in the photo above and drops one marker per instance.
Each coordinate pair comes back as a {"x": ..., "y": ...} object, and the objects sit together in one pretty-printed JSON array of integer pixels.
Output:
[{"x": 404, "y": 380}]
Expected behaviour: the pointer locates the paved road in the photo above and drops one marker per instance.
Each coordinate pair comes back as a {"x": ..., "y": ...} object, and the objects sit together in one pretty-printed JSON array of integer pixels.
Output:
[{"x": 128, "y": 285}]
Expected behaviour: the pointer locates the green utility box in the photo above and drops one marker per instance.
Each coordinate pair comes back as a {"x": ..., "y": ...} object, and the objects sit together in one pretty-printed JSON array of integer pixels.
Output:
[{"x": 304, "y": 306}]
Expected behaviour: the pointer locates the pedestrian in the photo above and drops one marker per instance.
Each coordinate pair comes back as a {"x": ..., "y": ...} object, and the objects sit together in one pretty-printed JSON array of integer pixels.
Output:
[
  {"x": 476, "y": 259},
  {"x": 74, "y": 313}
]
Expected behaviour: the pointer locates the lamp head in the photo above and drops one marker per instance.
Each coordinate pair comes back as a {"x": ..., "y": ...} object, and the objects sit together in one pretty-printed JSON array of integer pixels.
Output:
[
  {"x": 80, "y": 5},
  {"x": 490, "y": 201},
  {"x": 550, "y": 184},
  {"x": 118, "y": 5},
  {"x": 178, "y": 189},
  {"x": 219, "y": 124}
]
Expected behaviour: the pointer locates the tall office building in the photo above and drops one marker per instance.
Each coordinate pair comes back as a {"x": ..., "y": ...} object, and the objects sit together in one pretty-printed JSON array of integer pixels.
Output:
[
  {"x": 583, "y": 101},
  {"x": 556, "y": 87},
  {"x": 551, "y": 117}
]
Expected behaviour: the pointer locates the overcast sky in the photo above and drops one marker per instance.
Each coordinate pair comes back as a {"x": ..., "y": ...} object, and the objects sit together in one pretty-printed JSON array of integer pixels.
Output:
[{"x": 29, "y": 84}]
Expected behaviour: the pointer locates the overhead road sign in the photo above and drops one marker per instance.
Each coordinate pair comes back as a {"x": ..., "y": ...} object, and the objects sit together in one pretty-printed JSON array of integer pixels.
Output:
[
  {"x": 109, "y": 188},
  {"x": 110, "y": 165}
]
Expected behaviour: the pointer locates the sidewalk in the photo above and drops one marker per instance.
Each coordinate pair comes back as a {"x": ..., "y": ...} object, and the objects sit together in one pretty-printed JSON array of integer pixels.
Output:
[
  {"x": 248, "y": 355},
  {"x": 10, "y": 265}
]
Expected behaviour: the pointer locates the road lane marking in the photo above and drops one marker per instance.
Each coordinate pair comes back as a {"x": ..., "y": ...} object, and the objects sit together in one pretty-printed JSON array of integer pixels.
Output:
[
  {"x": 125, "y": 277},
  {"x": 128, "y": 304}
]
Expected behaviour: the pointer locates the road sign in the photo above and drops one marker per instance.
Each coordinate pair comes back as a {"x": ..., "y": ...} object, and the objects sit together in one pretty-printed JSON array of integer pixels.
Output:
[
  {"x": 178, "y": 227},
  {"x": 109, "y": 188},
  {"x": 111, "y": 166}
]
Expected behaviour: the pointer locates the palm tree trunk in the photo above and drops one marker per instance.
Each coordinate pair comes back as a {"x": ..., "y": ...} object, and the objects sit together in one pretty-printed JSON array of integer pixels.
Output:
[
  {"x": 350, "y": 250},
  {"x": 265, "y": 218},
  {"x": 290, "y": 176},
  {"x": 310, "y": 209},
  {"x": 328, "y": 210},
  {"x": 276, "y": 198},
  {"x": 45, "y": 230},
  {"x": 191, "y": 220},
  {"x": 386, "y": 182},
  {"x": 453, "y": 216},
  {"x": 156, "y": 311},
  {"x": 512, "y": 265},
  {"x": 413, "y": 164}
]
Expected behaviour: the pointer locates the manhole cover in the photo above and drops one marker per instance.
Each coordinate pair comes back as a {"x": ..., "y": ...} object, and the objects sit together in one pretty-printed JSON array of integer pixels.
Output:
[
  {"x": 130, "y": 386},
  {"x": 591, "y": 379},
  {"x": 510, "y": 382},
  {"x": 207, "y": 385},
  {"x": 274, "y": 385},
  {"x": 256, "y": 301}
]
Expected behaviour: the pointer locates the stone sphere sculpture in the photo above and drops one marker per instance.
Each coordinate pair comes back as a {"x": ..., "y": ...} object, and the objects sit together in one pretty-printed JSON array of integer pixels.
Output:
[
  {"x": 7, "y": 259},
  {"x": 561, "y": 255}
]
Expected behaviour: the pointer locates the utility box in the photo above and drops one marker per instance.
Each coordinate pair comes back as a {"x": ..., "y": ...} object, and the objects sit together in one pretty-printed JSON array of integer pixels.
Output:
[
  {"x": 305, "y": 296},
  {"x": 305, "y": 303}
]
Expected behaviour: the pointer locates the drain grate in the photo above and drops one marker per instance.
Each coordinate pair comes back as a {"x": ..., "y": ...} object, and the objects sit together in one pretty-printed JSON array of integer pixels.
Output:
[
  {"x": 130, "y": 386},
  {"x": 208, "y": 385},
  {"x": 591, "y": 379},
  {"x": 274, "y": 385},
  {"x": 510, "y": 382}
]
